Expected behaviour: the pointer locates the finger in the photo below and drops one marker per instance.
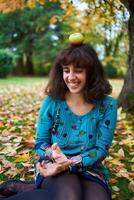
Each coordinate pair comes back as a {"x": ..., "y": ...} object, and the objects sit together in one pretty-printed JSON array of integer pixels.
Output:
[
  {"x": 54, "y": 146},
  {"x": 61, "y": 160},
  {"x": 58, "y": 157},
  {"x": 42, "y": 163},
  {"x": 65, "y": 162},
  {"x": 37, "y": 165}
]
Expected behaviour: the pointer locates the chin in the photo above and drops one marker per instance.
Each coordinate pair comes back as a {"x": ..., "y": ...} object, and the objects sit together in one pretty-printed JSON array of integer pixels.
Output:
[{"x": 75, "y": 91}]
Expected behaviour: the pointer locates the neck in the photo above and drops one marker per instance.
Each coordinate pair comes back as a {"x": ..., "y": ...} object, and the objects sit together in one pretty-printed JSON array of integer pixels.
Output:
[{"x": 76, "y": 98}]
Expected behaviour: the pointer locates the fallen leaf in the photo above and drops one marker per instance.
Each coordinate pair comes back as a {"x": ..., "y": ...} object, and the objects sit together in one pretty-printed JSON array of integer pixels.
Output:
[
  {"x": 121, "y": 153},
  {"x": 23, "y": 158},
  {"x": 131, "y": 186},
  {"x": 123, "y": 173},
  {"x": 115, "y": 188}
]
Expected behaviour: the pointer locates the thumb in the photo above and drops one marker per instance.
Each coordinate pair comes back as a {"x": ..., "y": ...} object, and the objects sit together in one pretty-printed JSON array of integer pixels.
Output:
[{"x": 54, "y": 146}]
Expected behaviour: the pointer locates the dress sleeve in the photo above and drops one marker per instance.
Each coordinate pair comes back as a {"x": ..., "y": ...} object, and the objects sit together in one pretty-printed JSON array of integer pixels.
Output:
[
  {"x": 105, "y": 131},
  {"x": 44, "y": 126}
]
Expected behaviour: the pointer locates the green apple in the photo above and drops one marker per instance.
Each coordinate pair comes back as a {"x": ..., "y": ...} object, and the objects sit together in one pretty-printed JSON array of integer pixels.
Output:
[{"x": 76, "y": 38}]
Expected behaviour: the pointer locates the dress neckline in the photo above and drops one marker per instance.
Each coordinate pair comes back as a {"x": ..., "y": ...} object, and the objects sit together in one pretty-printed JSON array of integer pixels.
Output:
[{"x": 77, "y": 115}]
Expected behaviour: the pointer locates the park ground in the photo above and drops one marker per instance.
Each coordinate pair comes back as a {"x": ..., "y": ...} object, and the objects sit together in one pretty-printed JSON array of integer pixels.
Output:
[{"x": 20, "y": 99}]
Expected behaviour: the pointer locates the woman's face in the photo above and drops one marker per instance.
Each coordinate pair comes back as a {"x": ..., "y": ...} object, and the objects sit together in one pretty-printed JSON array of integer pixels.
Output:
[{"x": 74, "y": 78}]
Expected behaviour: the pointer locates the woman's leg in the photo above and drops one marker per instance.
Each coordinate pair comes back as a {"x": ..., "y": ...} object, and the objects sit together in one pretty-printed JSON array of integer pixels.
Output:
[
  {"x": 93, "y": 191},
  {"x": 38, "y": 194},
  {"x": 64, "y": 186},
  {"x": 12, "y": 187}
]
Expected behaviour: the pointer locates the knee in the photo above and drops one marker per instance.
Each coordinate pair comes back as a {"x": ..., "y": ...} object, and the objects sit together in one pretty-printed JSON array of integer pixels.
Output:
[{"x": 69, "y": 194}]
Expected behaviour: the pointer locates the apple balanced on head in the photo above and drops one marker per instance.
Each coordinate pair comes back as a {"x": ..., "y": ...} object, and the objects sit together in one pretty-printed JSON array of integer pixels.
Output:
[{"x": 76, "y": 38}]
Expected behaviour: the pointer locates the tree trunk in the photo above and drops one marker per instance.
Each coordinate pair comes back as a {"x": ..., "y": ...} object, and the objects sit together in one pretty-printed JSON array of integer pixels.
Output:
[
  {"x": 20, "y": 68},
  {"x": 29, "y": 64},
  {"x": 29, "y": 60},
  {"x": 126, "y": 97}
]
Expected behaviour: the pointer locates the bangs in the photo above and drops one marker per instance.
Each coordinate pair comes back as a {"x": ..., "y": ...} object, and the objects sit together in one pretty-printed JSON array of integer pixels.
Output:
[{"x": 76, "y": 57}]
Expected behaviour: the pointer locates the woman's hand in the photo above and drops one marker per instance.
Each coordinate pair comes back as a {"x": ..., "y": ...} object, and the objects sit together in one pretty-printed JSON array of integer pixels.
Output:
[
  {"x": 60, "y": 164},
  {"x": 58, "y": 156},
  {"x": 48, "y": 169},
  {"x": 51, "y": 169}
]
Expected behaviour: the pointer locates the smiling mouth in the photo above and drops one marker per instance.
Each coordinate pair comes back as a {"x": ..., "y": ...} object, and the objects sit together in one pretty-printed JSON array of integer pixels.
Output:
[{"x": 73, "y": 85}]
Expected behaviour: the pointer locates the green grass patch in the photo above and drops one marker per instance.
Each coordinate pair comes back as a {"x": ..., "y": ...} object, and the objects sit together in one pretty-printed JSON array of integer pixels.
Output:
[
  {"x": 10, "y": 158},
  {"x": 125, "y": 193},
  {"x": 23, "y": 81}
]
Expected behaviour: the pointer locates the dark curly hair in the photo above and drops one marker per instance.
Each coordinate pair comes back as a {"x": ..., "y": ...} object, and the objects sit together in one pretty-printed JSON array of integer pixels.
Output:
[{"x": 82, "y": 56}]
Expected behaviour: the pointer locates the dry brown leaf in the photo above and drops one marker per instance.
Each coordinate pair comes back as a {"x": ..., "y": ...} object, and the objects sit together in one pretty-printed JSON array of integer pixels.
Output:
[
  {"x": 29, "y": 141},
  {"x": 123, "y": 173}
]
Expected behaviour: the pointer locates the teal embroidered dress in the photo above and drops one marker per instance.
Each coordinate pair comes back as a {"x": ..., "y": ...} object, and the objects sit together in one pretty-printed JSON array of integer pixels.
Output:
[{"x": 89, "y": 135}]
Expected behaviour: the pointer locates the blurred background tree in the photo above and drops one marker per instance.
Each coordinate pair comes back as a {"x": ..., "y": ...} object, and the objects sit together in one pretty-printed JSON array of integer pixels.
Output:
[
  {"x": 32, "y": 36},
  {"x": 34, "y": 30}
]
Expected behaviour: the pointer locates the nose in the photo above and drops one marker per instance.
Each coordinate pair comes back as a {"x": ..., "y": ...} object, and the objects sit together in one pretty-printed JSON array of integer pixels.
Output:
[{"x": 72, "y": 76}]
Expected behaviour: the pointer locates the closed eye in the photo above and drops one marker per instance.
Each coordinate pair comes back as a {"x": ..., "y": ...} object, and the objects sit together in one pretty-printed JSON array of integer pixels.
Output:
[{"x": 65, "y": 69}]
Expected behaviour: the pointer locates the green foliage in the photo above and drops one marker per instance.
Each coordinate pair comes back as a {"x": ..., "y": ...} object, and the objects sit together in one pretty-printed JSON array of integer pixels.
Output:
[
  {"x": 31, "y": 34},
  {"x": 114, "y": 72},
  {"x": 37, "y": 34},
  {"x": 110, "y": 71},
  {"x": 6, "y": 63}
]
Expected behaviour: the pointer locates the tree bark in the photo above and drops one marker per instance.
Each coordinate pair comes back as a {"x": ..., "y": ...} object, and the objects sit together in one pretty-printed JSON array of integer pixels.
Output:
[
  {"x": 20, "y": 68},
  {"x": 126, "y": 97},
  {"x": 29, "y": 69},
  {"x": 29, "y": 64}
]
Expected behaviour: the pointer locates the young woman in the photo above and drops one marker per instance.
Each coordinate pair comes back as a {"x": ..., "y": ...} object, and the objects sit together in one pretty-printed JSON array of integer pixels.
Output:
[{"x": 75, "y": 128}]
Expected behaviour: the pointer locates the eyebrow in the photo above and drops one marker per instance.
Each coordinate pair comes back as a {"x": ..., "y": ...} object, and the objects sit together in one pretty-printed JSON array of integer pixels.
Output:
[{"x": 65, "y": 66}]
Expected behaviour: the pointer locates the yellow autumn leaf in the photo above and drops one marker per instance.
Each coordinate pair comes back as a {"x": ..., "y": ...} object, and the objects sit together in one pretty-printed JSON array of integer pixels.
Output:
[
  {"x": 114, "y": 196},
  {"x": 132, "y": 167},
  {"x": 115, "y": 161},
  {"x": 23, "y": 158}
]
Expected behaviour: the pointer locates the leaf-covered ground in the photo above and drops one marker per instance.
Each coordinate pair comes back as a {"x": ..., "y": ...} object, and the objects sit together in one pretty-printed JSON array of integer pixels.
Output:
[{"x": 20, "y": 100}]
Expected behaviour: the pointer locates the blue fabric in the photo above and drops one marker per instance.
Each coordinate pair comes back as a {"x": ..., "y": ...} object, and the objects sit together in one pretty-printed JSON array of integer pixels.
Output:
[{"x": 88, "y": 135}]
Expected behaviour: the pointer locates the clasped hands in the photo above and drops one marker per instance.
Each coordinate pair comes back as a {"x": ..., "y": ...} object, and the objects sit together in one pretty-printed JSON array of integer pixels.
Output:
[{"x": 60, "y": 164}]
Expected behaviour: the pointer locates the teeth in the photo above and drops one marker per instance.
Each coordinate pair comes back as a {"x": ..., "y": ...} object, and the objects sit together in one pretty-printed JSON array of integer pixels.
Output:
[{"x": 73, "y": 85}]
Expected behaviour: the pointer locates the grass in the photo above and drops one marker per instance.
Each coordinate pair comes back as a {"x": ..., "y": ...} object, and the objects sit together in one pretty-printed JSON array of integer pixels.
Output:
[{"x": 23, "y": 81}]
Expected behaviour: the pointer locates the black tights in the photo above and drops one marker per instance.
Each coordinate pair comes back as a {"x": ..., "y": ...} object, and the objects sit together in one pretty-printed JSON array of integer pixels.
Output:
[
  {"x": 64, "y": 186},
  {"x": 93, "y": 191}
]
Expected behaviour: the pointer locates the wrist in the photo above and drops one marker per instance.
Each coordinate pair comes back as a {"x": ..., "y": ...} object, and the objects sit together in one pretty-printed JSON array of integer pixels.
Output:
[
  {"x": 48, "y": 154},
  {"x": 77, "y": 165},
  {"x": 76, "y": 160}
]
